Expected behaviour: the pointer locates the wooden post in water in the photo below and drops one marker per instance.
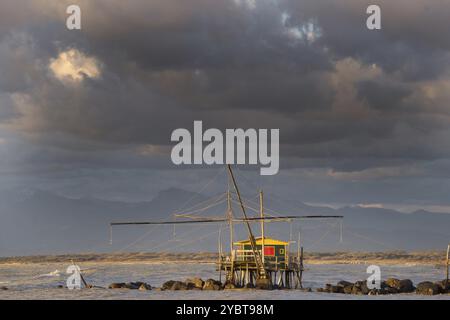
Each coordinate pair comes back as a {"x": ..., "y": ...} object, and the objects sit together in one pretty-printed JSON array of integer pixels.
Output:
[
  {"x": 447, "y": 265},
  {"x": 230, "y": 222},
  {"x": 261, "y": 212},
  {"x": 86, "y": 285},
  {"x": 261, "y": 271},
  {"x": 220, "y": 253},
  {"x": 301, "y": 267}
]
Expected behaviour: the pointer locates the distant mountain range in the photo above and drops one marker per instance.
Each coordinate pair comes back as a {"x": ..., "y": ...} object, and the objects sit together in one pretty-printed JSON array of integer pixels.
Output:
[{"x": 38, "y": 222}]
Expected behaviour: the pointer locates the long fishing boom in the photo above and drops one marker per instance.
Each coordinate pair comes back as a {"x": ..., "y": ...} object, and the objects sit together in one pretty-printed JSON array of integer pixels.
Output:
[{"x": 249, "y": 219}]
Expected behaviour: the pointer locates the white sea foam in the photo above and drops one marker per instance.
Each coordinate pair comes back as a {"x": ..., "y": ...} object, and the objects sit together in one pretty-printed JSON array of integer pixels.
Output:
[
  {"x": 103, "y": 274},
  {"x": 55, "y": 273}
]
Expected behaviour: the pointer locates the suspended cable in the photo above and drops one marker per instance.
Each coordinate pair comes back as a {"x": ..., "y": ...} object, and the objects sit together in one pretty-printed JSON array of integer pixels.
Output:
[{"x": 202, "y": 189}]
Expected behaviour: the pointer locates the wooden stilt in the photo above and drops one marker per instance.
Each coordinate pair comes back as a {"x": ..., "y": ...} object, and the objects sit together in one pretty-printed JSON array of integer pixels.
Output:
[
  {"x": 301, "y": 268},
  {"x": 447, "y": 265},
  {"x": 299, "y": 283},
  {"x": 86, "y": 285},
  {"x": 280, "y": 280},
  {"x": 247, "y": 280}
]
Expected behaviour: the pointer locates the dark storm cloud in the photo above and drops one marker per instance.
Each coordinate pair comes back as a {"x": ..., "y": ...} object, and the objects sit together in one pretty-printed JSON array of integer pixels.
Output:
[
  {"x": 382, "y": 95},
  {"x": 341, "y": 94},
  {"x": 411, "y": 41}
]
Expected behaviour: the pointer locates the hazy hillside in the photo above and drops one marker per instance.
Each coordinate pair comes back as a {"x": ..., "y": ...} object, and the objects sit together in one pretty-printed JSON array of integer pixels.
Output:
[{"x": 43, "y": 223}]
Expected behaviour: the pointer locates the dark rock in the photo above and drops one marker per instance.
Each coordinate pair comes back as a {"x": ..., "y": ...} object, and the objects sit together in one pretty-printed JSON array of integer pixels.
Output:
[
  {"x": 390, "y": 290},
  {"x": 305, "y": 289},
  {"x": 373, "y": 292},
  {"x": 167, "y": 285},
  {"x": 195, "y": 283},
  {"x": 212, "y": 284},
  {"x": 402, "y": 286},
  {"x": 381, "y": 291},
  {"x": 356, "y": 290},
  {"x": 336, "y": 289},
  {"x": 249, "y": 286},
  {"x": 144, "y": 287},
  {"x": 444, "y": 286},
  {"x": 360, "y": 287},
  {"x": 393, "y": 283},
  {"x": 327, "y": 287},
  {"x": 191, "y": 286},
  {"x": 406, "y": 286},
  {"x": 179, "y": 285},
  {"x": 427, "y": 288},
  {"x": 4, "y": 288},
  {"x": 344, "y": 284},
  {"x": 229, "y": 285},
  {"x": 174, "y": 285},
  {"x": 129, "y": 285},
  {"x": 276, "y": 287},
  {"x": 348, "y": 289},
  {"x": 133, "y": 285},
  {"x": 263, "y": 284},
  {"x": 119, "y": 285},
  {"x": 320, "y": 290}
]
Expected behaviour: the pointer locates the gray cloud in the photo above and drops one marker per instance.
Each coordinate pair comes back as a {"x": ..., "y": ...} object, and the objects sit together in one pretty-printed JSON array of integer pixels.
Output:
[{"x": 345, "y": 98}]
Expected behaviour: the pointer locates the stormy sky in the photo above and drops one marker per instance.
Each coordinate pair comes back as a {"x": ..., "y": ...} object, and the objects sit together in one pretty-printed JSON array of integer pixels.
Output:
[{"x": 364, "y": 116}]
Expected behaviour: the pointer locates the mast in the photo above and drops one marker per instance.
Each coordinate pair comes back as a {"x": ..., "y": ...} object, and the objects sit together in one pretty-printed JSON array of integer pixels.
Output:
[
  {"x": 219, "y": 242},
  {"x": 261, "y": 271},
  {"x": 261, "y": 211},
  {"x": 230, "y": 221}
]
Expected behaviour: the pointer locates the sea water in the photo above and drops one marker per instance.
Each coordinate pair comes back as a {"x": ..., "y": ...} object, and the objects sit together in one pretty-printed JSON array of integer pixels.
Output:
[{"x": 42, "y": 281}]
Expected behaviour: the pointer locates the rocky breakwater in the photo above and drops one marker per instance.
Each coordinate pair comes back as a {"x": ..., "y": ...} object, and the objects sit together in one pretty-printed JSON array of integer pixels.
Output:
[
  {"x": 130, "y": 285},
  {"x": 211, "y": 284},
  {"x": 390, "y": 286},
  {"x": 194, "y": 284}
]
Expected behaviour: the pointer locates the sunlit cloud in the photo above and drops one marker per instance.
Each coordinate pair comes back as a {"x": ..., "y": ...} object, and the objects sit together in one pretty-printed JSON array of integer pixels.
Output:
[
  {"x": 75, "y": 66},
  {"x": 308, "y": 31}
]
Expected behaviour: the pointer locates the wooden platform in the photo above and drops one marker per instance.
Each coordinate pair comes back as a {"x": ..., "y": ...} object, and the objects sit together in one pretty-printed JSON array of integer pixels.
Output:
[{"x": 242, "y": 272}]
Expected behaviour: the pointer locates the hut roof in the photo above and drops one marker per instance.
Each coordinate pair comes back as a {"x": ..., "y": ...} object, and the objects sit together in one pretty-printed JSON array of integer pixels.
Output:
[{"x": 267, "y": 242}]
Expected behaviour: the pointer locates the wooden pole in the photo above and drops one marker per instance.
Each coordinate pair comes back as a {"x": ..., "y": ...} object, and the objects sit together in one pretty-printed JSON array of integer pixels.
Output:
[
  {"x": 220, "y": 253},
  {"x": 81, "y": 277},
  {"x": 261, "y": 211},
  {"x": 447, "y": 264},
  {"x": 301, "y": 268},
  {"x": 230, "y": 222},
  {"x": 219, "y": 240},
  {"x": 261, "y": 270}
]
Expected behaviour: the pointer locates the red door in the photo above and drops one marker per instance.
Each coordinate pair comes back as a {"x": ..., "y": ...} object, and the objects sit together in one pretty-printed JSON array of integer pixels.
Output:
[{"x": 269, "y": 251}]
